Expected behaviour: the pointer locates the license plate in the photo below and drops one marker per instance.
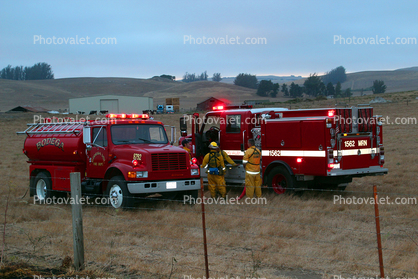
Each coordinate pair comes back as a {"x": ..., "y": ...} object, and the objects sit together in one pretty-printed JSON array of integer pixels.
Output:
[{"x": 171, "y": 185}]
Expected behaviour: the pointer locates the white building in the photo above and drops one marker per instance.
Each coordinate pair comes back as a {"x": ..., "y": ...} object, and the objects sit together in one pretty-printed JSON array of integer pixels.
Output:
[{"x": 111, "y": 104}]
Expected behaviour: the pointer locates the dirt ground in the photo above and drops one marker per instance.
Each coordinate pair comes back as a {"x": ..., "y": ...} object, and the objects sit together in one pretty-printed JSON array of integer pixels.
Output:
[{"x": 292, "y": 236}]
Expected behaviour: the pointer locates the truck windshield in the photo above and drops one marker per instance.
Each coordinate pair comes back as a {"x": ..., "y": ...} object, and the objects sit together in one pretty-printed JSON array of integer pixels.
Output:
[{"x": 138, "y": 134}]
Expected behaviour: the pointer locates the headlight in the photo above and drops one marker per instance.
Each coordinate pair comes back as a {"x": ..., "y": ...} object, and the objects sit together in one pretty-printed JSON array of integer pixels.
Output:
[
  {"x": 194, "y": 171},
  {"x": 141, "y": 174}
]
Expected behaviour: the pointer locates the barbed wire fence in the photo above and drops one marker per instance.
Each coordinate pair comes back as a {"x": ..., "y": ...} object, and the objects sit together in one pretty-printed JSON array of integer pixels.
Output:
[{"x": 163, "y": 238}]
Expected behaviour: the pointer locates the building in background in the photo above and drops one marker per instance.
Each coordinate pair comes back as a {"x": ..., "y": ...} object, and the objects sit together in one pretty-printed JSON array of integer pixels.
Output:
[
  {"x": 111, "y": 104},
  {"x": 209, "y": 103}
]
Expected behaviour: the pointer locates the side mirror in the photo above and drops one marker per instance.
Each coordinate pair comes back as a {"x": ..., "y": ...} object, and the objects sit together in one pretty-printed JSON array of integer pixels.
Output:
[
  {"x": 183, "y": 126},
  {"x": 86, "y": 135}
]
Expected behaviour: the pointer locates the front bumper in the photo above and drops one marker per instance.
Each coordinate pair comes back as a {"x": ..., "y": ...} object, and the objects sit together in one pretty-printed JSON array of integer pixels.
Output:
[
  {"x": 375, "y": 170},
  {"x": 163, "y": 186}
]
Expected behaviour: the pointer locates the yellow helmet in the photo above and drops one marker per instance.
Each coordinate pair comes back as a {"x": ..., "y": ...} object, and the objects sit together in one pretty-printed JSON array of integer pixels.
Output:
[{"x": 213, "y": 145}]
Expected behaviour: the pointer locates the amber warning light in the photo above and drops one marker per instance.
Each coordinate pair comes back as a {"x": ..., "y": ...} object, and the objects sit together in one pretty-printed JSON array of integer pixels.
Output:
[{"x": 127, "y": 116}]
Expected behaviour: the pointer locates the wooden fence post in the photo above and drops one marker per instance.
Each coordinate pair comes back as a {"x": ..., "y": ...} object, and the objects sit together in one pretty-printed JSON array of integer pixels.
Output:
[
  {"x": 379, "y": 239},
  {"x": 78, "y": 240}
]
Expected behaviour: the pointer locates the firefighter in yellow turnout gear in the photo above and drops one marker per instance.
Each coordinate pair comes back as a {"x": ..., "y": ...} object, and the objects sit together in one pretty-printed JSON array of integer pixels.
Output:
[
  {"x": 251, "y": 163},
  {"x": 215, "y": 164}
]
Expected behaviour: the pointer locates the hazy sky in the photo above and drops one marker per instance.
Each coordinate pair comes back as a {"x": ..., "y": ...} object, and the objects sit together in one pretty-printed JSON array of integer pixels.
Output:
[{"x": 148, "y": 38}]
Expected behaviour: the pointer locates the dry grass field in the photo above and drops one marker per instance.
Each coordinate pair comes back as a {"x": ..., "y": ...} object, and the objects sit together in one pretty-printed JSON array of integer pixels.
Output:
[{"x": 292, "y": 236}]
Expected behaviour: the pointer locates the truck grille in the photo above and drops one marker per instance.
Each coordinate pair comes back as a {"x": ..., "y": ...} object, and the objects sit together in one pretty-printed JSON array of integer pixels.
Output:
[
  {"x": 364, "y": 120},
  {"x": 169, "y": 161},
  {"x": 344, "y": 124}
]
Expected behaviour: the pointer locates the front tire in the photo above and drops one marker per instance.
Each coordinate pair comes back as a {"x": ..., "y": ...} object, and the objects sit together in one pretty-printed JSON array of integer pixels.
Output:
[
  {"x": 280, "y": 181},
  {"x": 118, "y": 194}
]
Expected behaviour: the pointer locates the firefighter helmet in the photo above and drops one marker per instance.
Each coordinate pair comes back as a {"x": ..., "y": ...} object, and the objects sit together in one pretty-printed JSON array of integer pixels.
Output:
[{"x": 213, "y": 145}]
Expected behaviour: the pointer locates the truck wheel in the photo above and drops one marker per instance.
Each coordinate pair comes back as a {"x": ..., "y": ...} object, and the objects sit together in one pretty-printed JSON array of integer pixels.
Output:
[
  {"x": 118, "y": 193},
  {"x": 42, "y": 186},
  {"x": 280, "y": 181}
]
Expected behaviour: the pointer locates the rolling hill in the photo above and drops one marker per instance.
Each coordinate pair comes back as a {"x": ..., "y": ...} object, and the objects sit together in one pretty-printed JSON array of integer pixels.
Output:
[{"x": 54, "y": 94}]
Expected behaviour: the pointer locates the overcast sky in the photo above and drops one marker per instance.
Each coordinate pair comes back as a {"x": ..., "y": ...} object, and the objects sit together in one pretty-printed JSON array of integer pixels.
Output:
[{"x": 148, "y": 38}]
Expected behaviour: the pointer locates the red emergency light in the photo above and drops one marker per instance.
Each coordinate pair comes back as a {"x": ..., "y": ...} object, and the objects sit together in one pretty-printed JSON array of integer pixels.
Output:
[
  {"x": 222, "y": 107},
  {"x": 218, "y": 108},
  {"x": 331, "y": 113}
]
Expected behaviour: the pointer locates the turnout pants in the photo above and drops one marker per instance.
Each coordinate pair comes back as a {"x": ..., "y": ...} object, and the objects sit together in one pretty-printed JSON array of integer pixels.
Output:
[
  {"x": 216, "y": 183},
  {"x": 253, "y": 183}
]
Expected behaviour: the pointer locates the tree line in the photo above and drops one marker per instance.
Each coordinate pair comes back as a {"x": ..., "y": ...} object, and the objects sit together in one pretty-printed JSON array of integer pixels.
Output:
[
  {"x": 37, "y": 71},
  {"x": 313, "y": 86}
]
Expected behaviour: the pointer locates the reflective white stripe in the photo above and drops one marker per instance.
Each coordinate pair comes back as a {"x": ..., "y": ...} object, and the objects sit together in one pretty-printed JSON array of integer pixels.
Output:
[
  {"x": 293, "y": 153},
  {"x": 234, "y": 152},
  {"x": 244, "y": 161},
  {"x": 351, "y": 152},
  {"x": 253, "y": 172}
]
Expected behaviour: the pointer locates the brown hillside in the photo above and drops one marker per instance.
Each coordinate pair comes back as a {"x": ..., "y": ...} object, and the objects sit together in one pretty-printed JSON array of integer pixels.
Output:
[{"x": 54, "y": 94}]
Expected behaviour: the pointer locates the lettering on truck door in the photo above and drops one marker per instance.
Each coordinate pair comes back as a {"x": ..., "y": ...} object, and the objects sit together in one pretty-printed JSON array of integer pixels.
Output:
[{"x": 98, "y": 155}]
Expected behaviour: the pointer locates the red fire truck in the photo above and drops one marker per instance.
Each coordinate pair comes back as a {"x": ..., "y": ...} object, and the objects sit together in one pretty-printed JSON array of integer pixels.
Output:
[
  {"x": 122, "y": 157},
  {"x": 323, "y": 148}
]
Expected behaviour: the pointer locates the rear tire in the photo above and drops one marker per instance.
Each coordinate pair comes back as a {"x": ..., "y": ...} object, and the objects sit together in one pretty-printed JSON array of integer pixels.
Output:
[
  {"x": 280, "y": 181},
  {"x": 42, "y": 186},
  {"x": 118, "y": 194}
]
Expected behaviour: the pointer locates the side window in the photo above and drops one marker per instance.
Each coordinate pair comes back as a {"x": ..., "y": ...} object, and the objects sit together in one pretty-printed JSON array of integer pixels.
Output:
[
  {"x": 233, "y": 123},
  {"x": 102, "y": 138}
]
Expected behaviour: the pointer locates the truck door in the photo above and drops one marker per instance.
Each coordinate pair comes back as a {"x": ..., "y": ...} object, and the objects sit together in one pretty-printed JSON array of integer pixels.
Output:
[
  {"x": 98, "y": 155},
  {"x": 232, "y": 135}
]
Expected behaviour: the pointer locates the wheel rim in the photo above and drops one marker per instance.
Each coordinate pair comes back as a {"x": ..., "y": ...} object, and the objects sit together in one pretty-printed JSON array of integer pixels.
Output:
[
  {"x": 41, "y": 189},
  {"x": 116, "y": 196},
  {"x": 279, "y": 184}
]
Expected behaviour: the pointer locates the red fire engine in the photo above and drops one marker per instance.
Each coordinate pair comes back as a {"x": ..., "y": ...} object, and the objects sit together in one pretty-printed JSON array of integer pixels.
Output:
[
  {"x": 122, "y": 157},
  {"x": 307, "y": 147}
]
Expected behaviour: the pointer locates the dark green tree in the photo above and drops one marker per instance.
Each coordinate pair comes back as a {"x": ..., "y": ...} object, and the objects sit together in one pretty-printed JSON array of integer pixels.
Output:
[
  {"x": 193, "y": 77},
  {"x": 335, "y": 75},
  {"x": 295, "y": 90},
  {"x": 285, "y": 90},
  {"x": 264, "y": 88},
  {"x": 217, "y": 77},
  {"x": 347, "y": 93},
  {"x": 313, "y": 85},
  {"x": 275, "y": 90},
  {"x": 338, "y": 90},
  {"x": 322, "y": 89},
  {"x": 168, "y": 77},
  {"x": 246, "y": 80},
  {"x": 330, "y": 89},
  {"x": 37, "y": 71},
  {"x": 378, "y": 87}
]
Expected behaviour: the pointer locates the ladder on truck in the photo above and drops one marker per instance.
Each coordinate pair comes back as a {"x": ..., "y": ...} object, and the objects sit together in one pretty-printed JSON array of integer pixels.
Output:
[{"x": 54, "y": 128}]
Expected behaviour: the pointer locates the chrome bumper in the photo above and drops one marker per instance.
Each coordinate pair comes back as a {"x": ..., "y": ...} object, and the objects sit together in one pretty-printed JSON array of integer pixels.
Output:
[
  {"x": 163, "y": 186},
  {"x": 375, "y": 170}
]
